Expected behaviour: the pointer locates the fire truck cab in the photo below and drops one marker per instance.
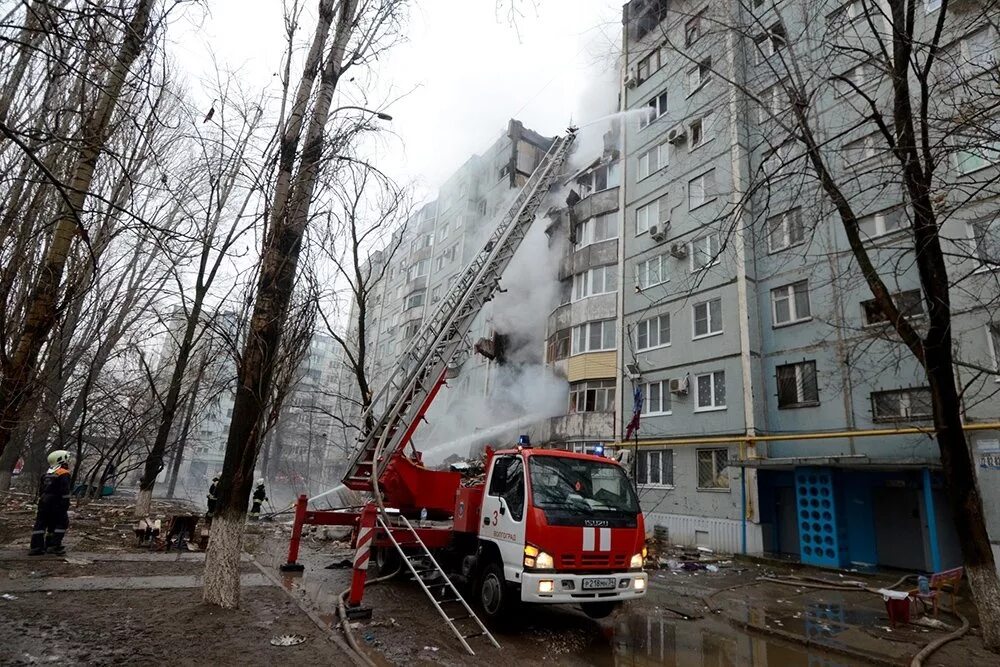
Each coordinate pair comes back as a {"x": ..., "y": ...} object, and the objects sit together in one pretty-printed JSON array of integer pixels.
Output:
[{"x": 555, "y": 527}]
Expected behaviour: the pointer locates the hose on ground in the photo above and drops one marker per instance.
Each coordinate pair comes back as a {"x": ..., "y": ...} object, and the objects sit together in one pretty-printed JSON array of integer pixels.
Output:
[
  {"x": 925, "y": 652},
  {"x": 346, "y": 626}
]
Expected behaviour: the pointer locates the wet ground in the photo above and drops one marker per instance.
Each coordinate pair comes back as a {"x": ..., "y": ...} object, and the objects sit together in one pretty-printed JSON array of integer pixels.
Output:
[{"x": 696, "y": 619}]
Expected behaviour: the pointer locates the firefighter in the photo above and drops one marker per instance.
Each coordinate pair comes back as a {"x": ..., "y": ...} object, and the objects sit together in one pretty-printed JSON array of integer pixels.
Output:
[
  {"x": 52, "y": 519},
  {"x": 259, "y": 496},
  {"x": 212, "y": 497}
]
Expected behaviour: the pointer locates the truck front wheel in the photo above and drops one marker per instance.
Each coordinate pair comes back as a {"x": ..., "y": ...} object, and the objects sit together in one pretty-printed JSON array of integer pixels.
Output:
[
  {"x": 598, "y": 609},
  {"x": 495, "y": 596}
]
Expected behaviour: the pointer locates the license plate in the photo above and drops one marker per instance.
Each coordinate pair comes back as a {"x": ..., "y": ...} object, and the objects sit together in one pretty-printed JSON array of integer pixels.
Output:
[{"x": 604, "y": 582}]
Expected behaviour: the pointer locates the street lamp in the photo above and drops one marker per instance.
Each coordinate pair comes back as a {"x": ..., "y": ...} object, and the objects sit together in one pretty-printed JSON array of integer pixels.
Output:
[{"x": 381, "y": 115}]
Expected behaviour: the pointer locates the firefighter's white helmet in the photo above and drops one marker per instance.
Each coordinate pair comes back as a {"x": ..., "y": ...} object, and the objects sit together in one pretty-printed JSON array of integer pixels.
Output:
[
  {"x": 58, "y": 457},
  {"x": 260, "y": 482}
]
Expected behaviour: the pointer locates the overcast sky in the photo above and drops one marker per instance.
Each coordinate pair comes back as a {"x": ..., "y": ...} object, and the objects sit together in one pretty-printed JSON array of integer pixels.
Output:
[{"x": 462, "y": 72}]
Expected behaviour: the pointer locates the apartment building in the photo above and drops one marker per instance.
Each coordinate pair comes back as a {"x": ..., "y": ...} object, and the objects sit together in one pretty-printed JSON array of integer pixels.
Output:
[{"x": 776, "y": 404}]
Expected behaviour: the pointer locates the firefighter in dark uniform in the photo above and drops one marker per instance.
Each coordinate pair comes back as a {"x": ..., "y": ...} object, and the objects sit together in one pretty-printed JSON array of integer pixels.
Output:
[
  {"x": 212, "y": 497},
  {"x": 259, "y": 496},
  {"x": 52, "y": 519}
]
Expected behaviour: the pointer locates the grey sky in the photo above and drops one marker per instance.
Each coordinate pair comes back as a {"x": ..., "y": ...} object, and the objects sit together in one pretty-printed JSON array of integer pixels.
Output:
[{"x": 462, "y": 72}]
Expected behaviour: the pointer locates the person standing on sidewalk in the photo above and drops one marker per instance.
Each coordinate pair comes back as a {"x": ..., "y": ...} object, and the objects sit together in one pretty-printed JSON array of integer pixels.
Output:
[
  {"x": 259, "y": 496},
  {"x": 52, "y": 519},
  {"x": 212, "y": 497}
]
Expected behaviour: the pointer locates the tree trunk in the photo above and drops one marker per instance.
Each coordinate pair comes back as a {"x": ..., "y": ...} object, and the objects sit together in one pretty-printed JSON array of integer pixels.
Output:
[
  {"x": 41, "y": 312},
  {"x": 182, "y": 441},
  {"x": 222, "y": 562}
]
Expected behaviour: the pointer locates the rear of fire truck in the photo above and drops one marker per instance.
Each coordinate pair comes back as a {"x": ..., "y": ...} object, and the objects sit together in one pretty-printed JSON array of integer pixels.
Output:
[{"x": 554, "y": 527}]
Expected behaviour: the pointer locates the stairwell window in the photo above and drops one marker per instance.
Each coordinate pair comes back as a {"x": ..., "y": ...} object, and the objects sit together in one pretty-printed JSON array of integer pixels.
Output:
[
  {"x": 651, "y": 272},
  {"x": 657, "y": 398},
  {"x": 699, "y": 75},
  {"x": 592, "y": 396},
  {"x": 655, "y": 108},
  {"x": 713, "y": 469},
  {"x": 693, "y": 29},
  {"x": 653, "y": 160},
  {"x": 601, "y": 280},
  {"x": 909, "y": 303},
  {"x": 707, "y": 318},
  {"x": 704, "y": 252},
  {"x": 701, "y": 190},
  {"x": 785, "y": 230},
  {"x": 770, "y": 42},
  {"x": 797, "y": 385},
  {"x": 652, "y": 333},
  {"x": 594, "y": 337},
  {"x": 900, "y": 404},
  {"x": 790, "y": 303},
  {"x": 655, "y": 468}
]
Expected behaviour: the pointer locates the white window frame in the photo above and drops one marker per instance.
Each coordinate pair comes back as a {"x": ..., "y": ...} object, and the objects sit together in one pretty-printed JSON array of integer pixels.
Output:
[
  {"x": 993, "y": 339},
  {"x": 766, "y": 43},
  {"x": 663, "y": 387},
  {"x": 905, "y": 403},
  {"x": 714, "y": 406},
  {"x": 788, "y": 293},
  {"x": 702, "y": 180},
  {"x": 584, "y": 283},
  {"x": 986, "y": 156},
  {"x": 655, "y": 108},
  {"x": 660, "y": 154},
  {"x": 709, "y": 307},
  {"x": 706, "y": 126},
  {"x": 651, "y": 325},
  {"x": 665, "y": 463},
  {"x": 414, "y": 271},
  {"x": 421, "y": 294},
  {"x": 589, "y": 227},
  {"x": 931, "y": 6},
  {"x": 786, "y": 218},
  {"x": 713, "y": 254},
  {"x": 986, "y": 263},
  {"x": 699, "y": 75},
  {"x": 895, "y": 296},
  {"x": 580, "y": 337},
  {"x": 647, "y": 215},
  {"x": 642, "y": 272},
  {"x": 716, "y": 469}
]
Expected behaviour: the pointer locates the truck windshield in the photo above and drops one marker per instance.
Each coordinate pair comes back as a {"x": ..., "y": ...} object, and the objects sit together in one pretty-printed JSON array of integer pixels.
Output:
[{"x": 578, "y": 485}]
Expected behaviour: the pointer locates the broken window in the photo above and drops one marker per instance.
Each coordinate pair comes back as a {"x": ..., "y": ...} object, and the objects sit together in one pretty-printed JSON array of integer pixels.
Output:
[
  {"x": 769, "y": 43},
  {"x": 592, "y": 396},
  {"x": 902, "y": 404},
  {"x": 909, "y": 303},
  {"x": 646, "y": 15},
  {"x": 655, "y": 107},
  {"x": 713, "y": 470},
  {"x": 699, "y": 75},
  {"x": 701, "y": 130},
  {"x": 603, "y": 177},
  {"x": 693, "y": 29},
  {"x": 558, "y": 346},
  {"x": 797, "y": 385}
]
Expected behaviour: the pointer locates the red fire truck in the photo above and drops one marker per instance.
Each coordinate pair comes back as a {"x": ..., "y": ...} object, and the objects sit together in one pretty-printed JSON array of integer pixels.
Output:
[{"x": 545, "y": 526}]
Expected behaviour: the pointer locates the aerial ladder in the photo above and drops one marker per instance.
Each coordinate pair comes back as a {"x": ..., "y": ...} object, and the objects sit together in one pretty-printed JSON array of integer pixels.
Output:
[{"x": 399, "y": 485}]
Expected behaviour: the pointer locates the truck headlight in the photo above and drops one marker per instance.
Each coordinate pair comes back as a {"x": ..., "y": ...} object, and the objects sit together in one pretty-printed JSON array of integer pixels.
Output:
[
  {"x": 636, "y": 561},
  {"x": 537, "y": 559},
  {"x": 544, "y": 561},
  {"x": 640, "y": 584}
]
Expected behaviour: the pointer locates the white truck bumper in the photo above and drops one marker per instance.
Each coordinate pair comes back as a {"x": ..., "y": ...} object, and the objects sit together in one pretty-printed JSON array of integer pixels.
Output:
[{"x": 561, "y": 588}]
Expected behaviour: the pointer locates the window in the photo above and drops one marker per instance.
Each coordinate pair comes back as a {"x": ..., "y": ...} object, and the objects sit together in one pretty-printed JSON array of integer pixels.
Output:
[
  {"x": 602, "y": 280},
  {"x": 797, "y": 385},
  {"x": 712, "y": 469},
  {"x": 704, "y": 252},
  {"x": 699, "y": 75},
  {"x": 701, "y": 189},
  {"x": 657, "y": 398},
  {"x": 654, "y": 61},
  {"x": 558, "y": 347},
  {"x": 976, "y": 154},
  {"x": 439, "y": 263},
  {"x": 994, "y": 336},
  {"x": 411, "y": 330},
  {"x": 651, "y": 272},
  {"x": 592, "y": 396},
  {"x": 910, "y": 304},
  {"x": 778, "y": 161},
  {"x": 421, "y": 242},
  {"x": 701, "y": 131},
  {"x": 881, "y": 223},
  {"x": 902, "y": 404},
  {"x": 862, "y": 76},
  {"x": 773, "y": 102},
  {"x": 654, "y": 213},
  {"x": 436, "y": 294},
  {"x": 790, "y": 303},
  {"x": 707, "y": 318},
  {"x": 481, "y": 207},
  {"x": 594, "y": 336},
  {"x": 986, "y": 242},
  {"x": 653, "y": 160},
  {"x": 785, "y": 230},
  {"x": 443, "y": 231},
  {"x": 932, "y": 5},
  {"x": 596, "y": 229},
  {"x": 770, "y": 42},
  {"x": 863, "y": 149},
  {"x": 979, "y": 51},
  {"x": 507, "y": 482},
  {"x": 693, "y": 29},
  {"x": 655, "y": 107},
  {"x": 655, "y": 468},
  {"x": 418, "y": 270},
  {"x": 653, "y": 332},
  {"x": 414, "y": 300},
  {"x": 602, "y": 177}
]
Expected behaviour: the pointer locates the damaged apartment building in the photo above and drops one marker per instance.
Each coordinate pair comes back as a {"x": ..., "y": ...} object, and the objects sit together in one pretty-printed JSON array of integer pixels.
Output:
[{"x": 779, "y": 409}]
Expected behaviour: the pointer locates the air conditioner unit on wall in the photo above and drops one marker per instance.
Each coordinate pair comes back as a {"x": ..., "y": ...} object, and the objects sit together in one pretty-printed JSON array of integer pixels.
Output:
[
  {"x": 679, "y": 250},
  {"x": 679, "y": 385},
  {"x": 658, "y": 232},
  {"x": 631, "y": 80},
  {"x": 632, "y": 371},
  {"x": 676, "y": 134}
]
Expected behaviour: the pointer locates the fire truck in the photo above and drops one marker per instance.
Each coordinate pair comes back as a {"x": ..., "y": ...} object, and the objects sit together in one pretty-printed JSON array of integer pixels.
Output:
[{"x": 545, "y": 526}]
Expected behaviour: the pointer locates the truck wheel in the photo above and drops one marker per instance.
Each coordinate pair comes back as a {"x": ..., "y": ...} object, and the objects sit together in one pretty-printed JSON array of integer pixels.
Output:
[
  {"x": 495, "y": 595},
  {"x": 385, "y": 559},
  {"x": 598, "y": 609}
]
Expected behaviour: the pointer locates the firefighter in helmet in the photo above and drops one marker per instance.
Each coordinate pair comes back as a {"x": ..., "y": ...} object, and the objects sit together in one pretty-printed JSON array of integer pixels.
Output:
[
  {"x": 52, "y": 519},
  {"x": 213, "y": 497},
  {"x": 259, "y": 496}
]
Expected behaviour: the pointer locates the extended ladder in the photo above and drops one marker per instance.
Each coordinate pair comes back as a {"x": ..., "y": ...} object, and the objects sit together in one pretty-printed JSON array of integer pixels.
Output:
[
  {"x": 424, "y": 564},
  {"x": 406, "y": 395}
]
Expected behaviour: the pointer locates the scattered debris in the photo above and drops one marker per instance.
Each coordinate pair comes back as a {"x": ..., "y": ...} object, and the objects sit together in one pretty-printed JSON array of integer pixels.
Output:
[
  {"x": 78, "y": 561},
  {"x": 343, "y": 564},
  {"x": 287, "y": 640},
  {"x": 431, "y": 648},
  {"x": 712, "y": 568},
  {"x": 8, "y": 596},
  {"x": 705, "y": 550},
  {"x": 930, "y": 622}
]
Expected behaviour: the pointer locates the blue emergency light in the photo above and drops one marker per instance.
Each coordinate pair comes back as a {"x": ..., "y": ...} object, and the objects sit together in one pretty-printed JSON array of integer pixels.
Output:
[
  {"x": 598, "y": 449},
  {"x": 523, "y": 441}
]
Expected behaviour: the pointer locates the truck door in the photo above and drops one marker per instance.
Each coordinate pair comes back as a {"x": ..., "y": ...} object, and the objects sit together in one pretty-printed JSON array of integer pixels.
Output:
[{"x": 504, "y": 510}]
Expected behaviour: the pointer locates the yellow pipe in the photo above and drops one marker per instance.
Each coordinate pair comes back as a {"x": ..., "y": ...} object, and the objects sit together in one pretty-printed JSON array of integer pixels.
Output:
[{"x": 747, "y": 439}]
